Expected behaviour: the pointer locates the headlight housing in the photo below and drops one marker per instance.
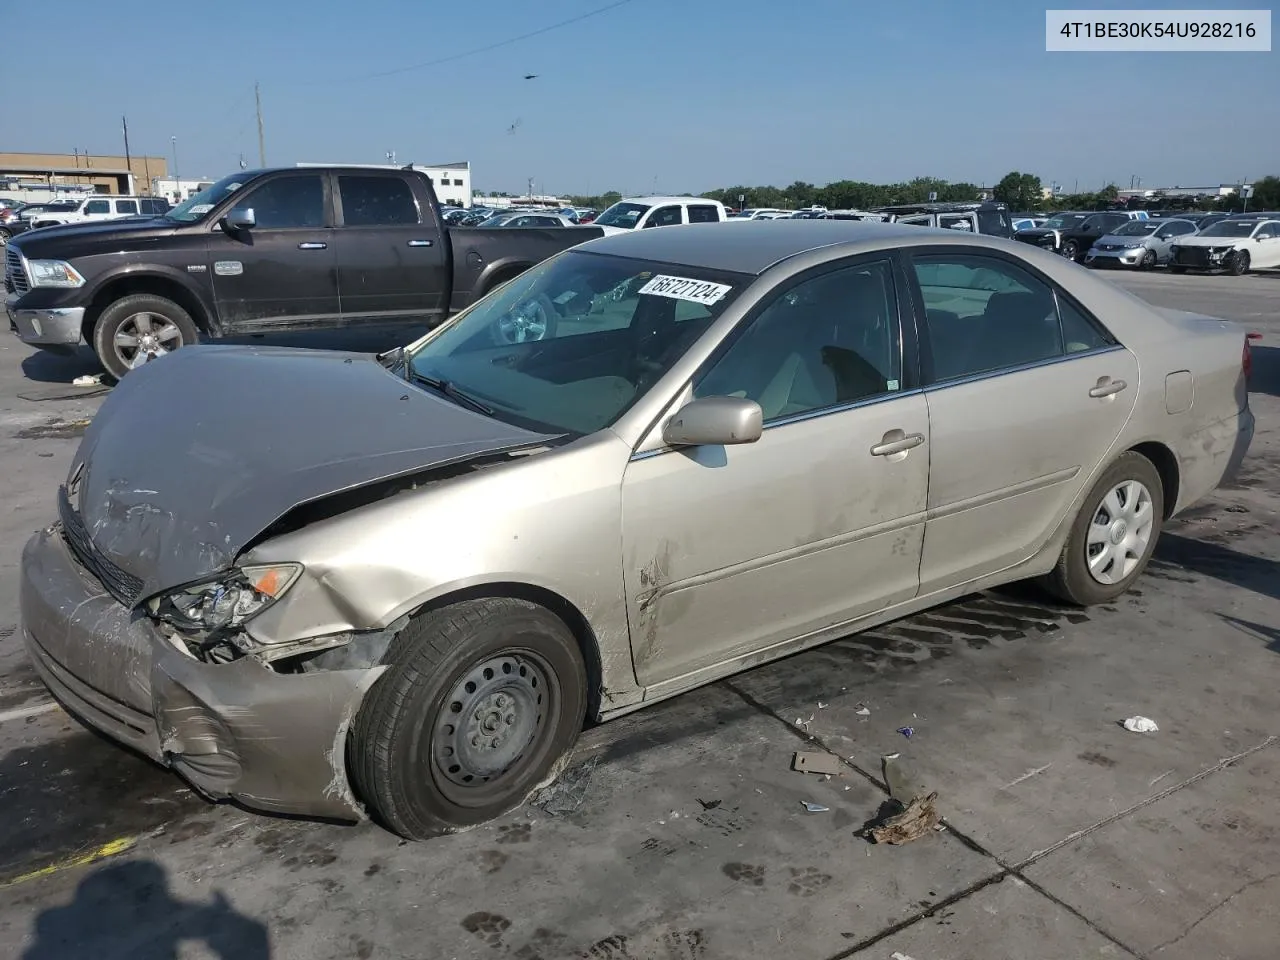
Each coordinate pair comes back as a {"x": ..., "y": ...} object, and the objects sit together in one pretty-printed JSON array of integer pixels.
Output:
[
  {"x": 228, "y": 601},
  {"x": 53, "y": 273}
]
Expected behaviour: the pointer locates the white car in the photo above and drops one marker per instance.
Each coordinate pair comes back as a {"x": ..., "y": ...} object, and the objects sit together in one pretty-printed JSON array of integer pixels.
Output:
[
  {"x": 1236, "y": 245},
  {"x": 637, "y": 213},
  {"x": 97, "y": 208}
]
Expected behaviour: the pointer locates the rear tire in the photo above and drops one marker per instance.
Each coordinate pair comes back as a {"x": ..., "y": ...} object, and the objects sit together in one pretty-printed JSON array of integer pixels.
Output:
[
  {"x": 140, "y": 328},
  {"x": 1123, "y": 515},
  {"x": 480, "y": 705}
]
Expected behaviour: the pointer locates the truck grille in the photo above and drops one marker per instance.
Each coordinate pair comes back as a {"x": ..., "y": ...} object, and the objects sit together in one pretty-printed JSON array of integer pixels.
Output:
[
  {"x": 15, "y": 272},
  {"x": 125, "y": 587}
]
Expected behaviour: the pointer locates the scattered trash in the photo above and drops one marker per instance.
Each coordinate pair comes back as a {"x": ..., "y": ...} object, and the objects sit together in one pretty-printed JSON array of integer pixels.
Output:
[
  {"x": 88, "y": 380},
  {"x": 709, "y": 804},
  {"x": 816, "y": 763},
  {"x": 805, "y": 723},
  {"x": 918, "y": 819},
  {"x": 907, "y": 732},
  {"x": 863, "y": 710},
  {"x": 1027, "y": 776},
  {"x": 565, "y": 795},
  {"x": 821, "y": 705},
  {"x": 1140, "y": 725},
  {"x": 815, "y": 807},
  {"x": 675, "y": 815},
  {"x": 1159, "y": 778},
  {"x": 900, "y": 956},
  {"x": 891, "y": 756}
]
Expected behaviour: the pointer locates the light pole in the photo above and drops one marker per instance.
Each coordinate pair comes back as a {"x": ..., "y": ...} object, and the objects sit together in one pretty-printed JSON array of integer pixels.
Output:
[{"x": 177, "y": 189}]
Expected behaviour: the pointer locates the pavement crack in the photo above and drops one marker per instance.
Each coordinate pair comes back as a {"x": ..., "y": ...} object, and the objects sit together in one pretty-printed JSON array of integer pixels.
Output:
[
  {"x": 1215, "y": 908},
  {"x": 1154, "y": 798},
  {"x": 1091, "y": 924}
]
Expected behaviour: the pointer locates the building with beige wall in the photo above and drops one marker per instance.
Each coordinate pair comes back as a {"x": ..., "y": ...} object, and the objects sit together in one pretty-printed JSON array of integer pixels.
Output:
[{"x": 79, "y": 172}]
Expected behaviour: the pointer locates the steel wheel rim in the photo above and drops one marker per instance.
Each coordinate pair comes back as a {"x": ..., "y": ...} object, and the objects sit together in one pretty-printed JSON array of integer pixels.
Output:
[
  {"x": 490, "y": 722},
  {"x": 141, "y": 339},
  {"x": 1119, "y": 533},
  {"x": 524, "y": 322},
  {"x": 1149, "y": 259},
  {"x": 1069, "y": 249}
]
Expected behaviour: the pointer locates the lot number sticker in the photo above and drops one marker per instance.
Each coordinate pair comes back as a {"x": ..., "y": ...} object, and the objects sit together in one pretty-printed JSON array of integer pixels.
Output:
[{"x": 682, "y": 288}]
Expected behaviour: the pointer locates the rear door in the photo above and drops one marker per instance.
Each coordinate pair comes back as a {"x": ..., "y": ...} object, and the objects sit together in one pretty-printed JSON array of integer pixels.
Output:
[
  {"x": 279, "y": 272},
  {"x": 391, "y": 253},
  {"x": 1027, "y": 394},
  {"x": 703, "y": 213}
]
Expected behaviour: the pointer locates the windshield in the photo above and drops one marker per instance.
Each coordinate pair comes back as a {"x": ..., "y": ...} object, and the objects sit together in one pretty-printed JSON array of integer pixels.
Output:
[
  {"x": 571, "y": 344},
  {"x": 497, "y": 220},
  {"x": 622, "y": 214},
  {"x": 197, "y": 205},
  {"x": 1064, "y": 222},
  {"x": 1230, "y": 228},
  {"x": 1136, "y": 228}
]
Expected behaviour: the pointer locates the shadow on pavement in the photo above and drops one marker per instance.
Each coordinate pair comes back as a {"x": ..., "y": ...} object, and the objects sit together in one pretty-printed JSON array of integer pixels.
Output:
[
  {"x": 1266, "y": 370},
  {"x": 45, "y": 367},
  {"x": 1175, "y": 554},
  {"x": 127, "y": 910},
  {"x": 1268, "y": 635}
]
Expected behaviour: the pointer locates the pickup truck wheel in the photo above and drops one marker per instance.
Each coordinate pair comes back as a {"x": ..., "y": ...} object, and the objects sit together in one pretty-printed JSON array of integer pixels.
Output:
[
  {"x": 4, "y": 238},
  {"x": 531, "y": 319},
  {"x": 137, "y": 329},
  {"x": 1071, "y": 250},
  {"x": 481, "y": 702}
]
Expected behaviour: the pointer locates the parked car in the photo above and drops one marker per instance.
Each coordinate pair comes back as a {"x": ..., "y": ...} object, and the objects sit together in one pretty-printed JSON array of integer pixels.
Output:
[
  {"x": 527, "y": 218},
  {"x": 1021, "y": 222},
  {"x": 260, "y": 251},
  {"x": 467, "y": 548},
  {"x": 641, "y": 212},
  {"x": 99, "y": 208},
  {"x": 985, "y": 216},
  {"x": 1140, "y": 244},
  {"x": 1237, "y": 246},
  {"x": 754, "y": 213},
  {"x": 1073, "y": 235}
]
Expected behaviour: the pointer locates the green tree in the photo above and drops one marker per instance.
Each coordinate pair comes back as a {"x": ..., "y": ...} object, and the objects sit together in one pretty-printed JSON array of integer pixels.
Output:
[
  {"x": 1266, "y": 194},
  {"x": 1021, "y": 191}
]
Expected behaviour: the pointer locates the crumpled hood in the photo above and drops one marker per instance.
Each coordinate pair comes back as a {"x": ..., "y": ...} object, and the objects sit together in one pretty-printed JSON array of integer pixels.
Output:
[
  {"x": 195, "y": 454},
  {"x": 1198, "y": 241}
]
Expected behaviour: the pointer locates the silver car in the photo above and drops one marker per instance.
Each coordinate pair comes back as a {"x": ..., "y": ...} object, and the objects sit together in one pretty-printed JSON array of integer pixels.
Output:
[
  {"x": 1139, "y": 244},
  {"x": 335, "y": 584}
]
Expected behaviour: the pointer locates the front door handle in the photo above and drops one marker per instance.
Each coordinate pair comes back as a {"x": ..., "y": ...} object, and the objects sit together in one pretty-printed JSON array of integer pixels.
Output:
[
  {"x": 895, "y": 441},
  {"x": 419, "y": 243},
  {"x": 312, "y": 246},
  {"x": 1106, "y": 387}
]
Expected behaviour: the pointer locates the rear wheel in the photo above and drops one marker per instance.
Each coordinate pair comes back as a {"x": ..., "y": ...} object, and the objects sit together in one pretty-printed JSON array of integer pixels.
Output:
[
  {"x": 1240, "y": 263},
  {"x": 528, "y": 320},
  {"x": 4, "y": 238},
  {"x": 1113, "y": 535},
  {"x": 480, "y": 705},
  {"x": 138, "y": 329}
]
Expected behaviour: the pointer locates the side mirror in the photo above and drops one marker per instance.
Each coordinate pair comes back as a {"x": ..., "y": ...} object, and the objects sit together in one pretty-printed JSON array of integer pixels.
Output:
[
  {"x": 241, "y": 218},
  {"x": 715, "y": 421}
]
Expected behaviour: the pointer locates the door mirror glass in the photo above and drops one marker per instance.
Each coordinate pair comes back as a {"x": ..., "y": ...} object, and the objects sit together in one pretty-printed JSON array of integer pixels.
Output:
[
  {"x": 715, "y": 421},
  {"x": 241, "y": 218}
]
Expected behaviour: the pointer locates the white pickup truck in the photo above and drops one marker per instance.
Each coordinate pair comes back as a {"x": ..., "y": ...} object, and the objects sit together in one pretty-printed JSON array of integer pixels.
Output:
[
  {"x": 101, "y": 208},
  {"x": 637, "y": 213}
]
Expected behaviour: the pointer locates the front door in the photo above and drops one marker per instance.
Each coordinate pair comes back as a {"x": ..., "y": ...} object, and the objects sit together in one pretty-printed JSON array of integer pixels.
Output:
[
  {"x": 731, "y": 550},
  {"x": 1264, "y": 252},
  {"x": 1027, "y": 395},
  {"x": 280, "y": 271},
  {"x": 391, "y": 254}
]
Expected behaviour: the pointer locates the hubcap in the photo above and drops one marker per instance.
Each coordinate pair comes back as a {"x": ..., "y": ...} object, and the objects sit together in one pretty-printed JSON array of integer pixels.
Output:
[
  {"x": 490, "y": 719},
  {"x": 524, "y": 322},
  {"x": 143, "y": 337},
  {"x": 1120, "y": 532}
]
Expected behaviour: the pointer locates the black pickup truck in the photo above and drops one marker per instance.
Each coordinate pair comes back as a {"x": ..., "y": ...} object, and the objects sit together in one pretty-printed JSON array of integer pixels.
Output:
[{"x": 266, "y": 251}]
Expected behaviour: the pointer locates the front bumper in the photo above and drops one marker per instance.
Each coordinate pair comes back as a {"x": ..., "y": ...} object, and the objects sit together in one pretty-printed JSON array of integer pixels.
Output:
[
  {"x": 1122, "y": 257},
  {"x": 275, "y": 742},
  {"x": 51, "y": 327}
]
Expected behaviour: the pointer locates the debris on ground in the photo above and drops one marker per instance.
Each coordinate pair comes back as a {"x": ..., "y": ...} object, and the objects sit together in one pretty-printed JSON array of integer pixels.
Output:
[
  {"x": 815, "y": 807},
  {"x": 863, "y": 710},
  {"x": 804, "y": 723},
  {"x": 907, "y": 732},
  {"x": 708, "y": 804},
  {"x": 900, "y": 956},
  {"x": 565, "y": 794},
  {"x": 822, "y": 763},
  {"x": 919, "y": 818},
  {"x": 1159, "y": 778},
  {"x": 88, "y": 380},
  {"x": 821, "y": 705},
  {"x": 1027, "y": 776},
  {"x": 1140, "y": 725}
]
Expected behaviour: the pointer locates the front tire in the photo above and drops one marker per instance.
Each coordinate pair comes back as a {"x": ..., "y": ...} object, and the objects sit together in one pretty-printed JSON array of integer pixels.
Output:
[
  {"x": 138, "y": 329},
  {"x": 480, "y": 705},
  {"x": 1071, "y": 250},
  {"x": 1113, "y": 536},
  {"x": 1148, "y": 261},
  {"x": 1240, "y": 263}
]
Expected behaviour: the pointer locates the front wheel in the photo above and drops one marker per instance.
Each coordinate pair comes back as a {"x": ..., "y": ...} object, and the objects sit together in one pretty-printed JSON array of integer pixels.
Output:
[
  {"x": 1071, "y": 250},
  {"x": 1240, "y": 263},
  {"x": 480, "y": 705},
  {"x": 1113, "y": 535},
  {"x": 138, "y": 329},
  {"x": 1148, "y": 261},
  {"x": 529, "y": 320}
]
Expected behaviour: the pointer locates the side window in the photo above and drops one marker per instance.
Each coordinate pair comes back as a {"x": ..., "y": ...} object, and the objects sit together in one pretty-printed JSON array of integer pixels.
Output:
[
  {"x": 1266, "y": 233},
  {"x": 923, "y": 221},
  {"x": 544, "y": 222},
  {"x": 830, "y": 340},
  {"x": 664, "y": 217},
  {"x": 1079, "y": 333},
  {"x": 703, "y": 214},
  {"x": 954, "y": 221},
  {"x": 985, "y": 314},
  {"x": 98, "y": 206},
  {"x": 376, "y": 201},
  {"x": 285, "y": 203},
  {"x": 126, "y": 206}
]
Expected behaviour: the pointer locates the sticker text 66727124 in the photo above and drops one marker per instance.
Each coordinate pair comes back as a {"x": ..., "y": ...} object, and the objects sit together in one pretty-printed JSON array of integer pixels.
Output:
[{"x": 683, "y": 288}]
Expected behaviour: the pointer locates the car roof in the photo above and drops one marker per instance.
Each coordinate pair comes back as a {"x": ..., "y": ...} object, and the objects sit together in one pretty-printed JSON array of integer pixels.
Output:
[
  {"x": 657, "y": 200},
  {"x": 753, "y": 247}
]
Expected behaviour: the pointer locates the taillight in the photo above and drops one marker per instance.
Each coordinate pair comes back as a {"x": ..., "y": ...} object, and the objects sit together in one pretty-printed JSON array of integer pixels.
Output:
[{"x": 1246, "y": 360}]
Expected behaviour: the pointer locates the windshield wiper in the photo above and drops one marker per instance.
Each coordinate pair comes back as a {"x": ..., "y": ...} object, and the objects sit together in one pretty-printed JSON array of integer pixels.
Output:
[{"x": 451, "y": 391}]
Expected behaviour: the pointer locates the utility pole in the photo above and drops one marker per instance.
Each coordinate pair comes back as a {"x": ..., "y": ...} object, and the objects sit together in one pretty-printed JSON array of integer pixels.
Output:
[
  {"x": 128, "y": 161},
  {"x": 262, "y": 145}
]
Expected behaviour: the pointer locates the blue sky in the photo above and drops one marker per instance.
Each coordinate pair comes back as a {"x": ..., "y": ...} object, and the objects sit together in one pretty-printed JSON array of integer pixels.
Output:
[{"x": 681, "y": 95}]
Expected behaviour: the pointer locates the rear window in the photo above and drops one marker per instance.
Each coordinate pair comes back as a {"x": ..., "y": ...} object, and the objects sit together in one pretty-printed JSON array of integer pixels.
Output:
[
  {"x": 995, "y": 222},
  {"x": 376, "y": 201},
  {"x": 703, "y": 214}
]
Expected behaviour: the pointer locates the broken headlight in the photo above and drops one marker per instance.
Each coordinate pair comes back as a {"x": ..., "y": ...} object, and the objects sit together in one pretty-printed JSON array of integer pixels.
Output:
[{"x": 228, "y": 601}]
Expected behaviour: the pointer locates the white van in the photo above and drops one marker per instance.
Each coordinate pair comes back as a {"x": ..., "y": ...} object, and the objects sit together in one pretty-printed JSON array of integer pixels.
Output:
[{"x": 639, "y": 212}]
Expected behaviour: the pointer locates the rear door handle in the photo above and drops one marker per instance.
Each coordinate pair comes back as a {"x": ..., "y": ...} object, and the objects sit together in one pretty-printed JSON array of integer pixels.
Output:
[
  {"x": 419, "y": 243},
  {"x": 312, "y": 246},
  {"x": 895, "y": 441},
  {"x": 1106, "y": 387}
]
